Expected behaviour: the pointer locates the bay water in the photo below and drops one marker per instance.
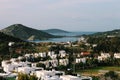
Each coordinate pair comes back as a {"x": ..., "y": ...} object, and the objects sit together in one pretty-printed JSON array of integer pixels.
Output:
[{"x": 71, "y": 36}]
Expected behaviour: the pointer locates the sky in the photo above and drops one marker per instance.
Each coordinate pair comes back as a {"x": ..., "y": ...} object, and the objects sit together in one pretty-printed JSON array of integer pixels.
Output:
[{"x": 70, "y": 15}]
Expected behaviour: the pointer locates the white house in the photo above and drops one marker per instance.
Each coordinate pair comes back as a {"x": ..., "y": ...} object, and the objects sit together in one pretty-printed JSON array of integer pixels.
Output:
[
  {"x": 44, "y": 54},
  {"x": 85, "y": 78},
  {"x": 70, "y": 77},
  {"x": 33, "y": 64},
  {"x": 63, "y": 61},
  {"x": 20, "y": 57},
  {"x": 36, "y": 55},
  {"x": 94, "y": 45},
  {"x": 106, "y": 55},
  {"x": 29, "y": 70},
  {"x": 54, "y": 62},
  {"x": 117, "y": 55},
  {"x": 81, "y": 39},
  {"x": 78, "y": 60},
  {"x": 27, "y": 55},
  {"x": 5, "y": 62},
  {"x": 20, "y": 64},
  {"x": 49, "y": 75},
  {"x": 52, "y": 54},
  {"x": 9, "y": 68},
  {"x": 13, "y": 59},
  {"x": 52, "y": 78},
  {"x": 103, "y": 56},
  {"x": 26, "y": 70},
  {"x": 51, "y": 63},
  {"x": 62, "y": 53},
  {"x": 12, "y": 65},
  {"x": 100, "y": 58}
]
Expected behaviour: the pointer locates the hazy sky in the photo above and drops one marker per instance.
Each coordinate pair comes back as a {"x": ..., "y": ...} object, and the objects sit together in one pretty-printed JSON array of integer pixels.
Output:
[{"x": 71, "y": 15}]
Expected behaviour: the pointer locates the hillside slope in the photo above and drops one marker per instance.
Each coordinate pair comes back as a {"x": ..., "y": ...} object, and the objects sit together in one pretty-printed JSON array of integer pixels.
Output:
[
  {"x": 25, "y": 33},
  {"x": 7, "y": 38},
  {"x": 113, "y": 33},
  {"x": 55, "y": 31}
]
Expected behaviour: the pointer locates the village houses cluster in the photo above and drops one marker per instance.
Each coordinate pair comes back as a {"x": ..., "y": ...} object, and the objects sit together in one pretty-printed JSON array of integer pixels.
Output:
[
  {"x": 16, "y": 65},
  {"x": 104, "y": 56}
]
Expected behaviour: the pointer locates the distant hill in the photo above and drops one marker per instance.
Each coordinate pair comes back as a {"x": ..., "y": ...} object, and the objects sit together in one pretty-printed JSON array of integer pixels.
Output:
[
  {"x": 113, "y": 33},
  {"x": 7, "y": 38},
  {"x": 55, "y": 31},
  {"x": 26, "y": 33}
]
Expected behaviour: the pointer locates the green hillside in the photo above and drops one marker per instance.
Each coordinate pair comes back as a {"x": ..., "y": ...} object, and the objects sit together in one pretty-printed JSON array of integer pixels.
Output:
[
  {"x": 113, "y": 33},
  {"x": 7, "y": 38},
  {"x": 4, "y": 48},
  {"x": 25, "y": 33},
  {"x": 55, "y": 31}
]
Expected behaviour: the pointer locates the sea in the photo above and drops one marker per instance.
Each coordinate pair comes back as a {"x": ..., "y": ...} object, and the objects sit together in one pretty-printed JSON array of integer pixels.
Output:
[{"x": 71, "y": 36}]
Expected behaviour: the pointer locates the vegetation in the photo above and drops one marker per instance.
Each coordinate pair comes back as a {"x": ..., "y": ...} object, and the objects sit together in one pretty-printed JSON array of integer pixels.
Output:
[
  {"x": 7, "y": 38},
  {"x": 33, "y": 77},
  {"x": 19, "y": 47},
  {"x": 55, "y": 31},
  {"x": 91, "y": 66},
  {"x": 96, "y": 70},
  {"x": 113, "y": 75},
  {"x": 112, "y": 33},
  {"x": 95, "y": 78},
  {"x": 10, "y": 78},
  {"x": 105, "y": 44},
  {"x": 4, "y": 48},
  {"x": 25, "y": 33},
  {"x": 41, "y": 65},
  {"x": 22, "y": 76},
  {"x": 2, "y": 78}
]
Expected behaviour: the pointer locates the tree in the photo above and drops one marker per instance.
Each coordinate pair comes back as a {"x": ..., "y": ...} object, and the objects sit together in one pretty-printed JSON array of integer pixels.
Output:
[
  {"x": 112, "y": 75},
  {"x": 2, "y": 78},
  {"x": 95, "y": 78},
  {"x": 41, "y": 65},
  {"x": 33, "y": 77},
  {"x": 22, "y": 76}
]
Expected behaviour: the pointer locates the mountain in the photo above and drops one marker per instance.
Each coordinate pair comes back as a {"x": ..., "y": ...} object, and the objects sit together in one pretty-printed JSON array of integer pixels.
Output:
[
  {"x": 113, "y": 33},
  {"x": 55, "y": 31},
  {"x": 26, "y": 33},
  {"x": 7, "y": 38}
]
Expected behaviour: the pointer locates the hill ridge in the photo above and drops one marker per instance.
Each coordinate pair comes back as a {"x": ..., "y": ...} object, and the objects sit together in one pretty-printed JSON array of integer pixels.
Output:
[
  {"x": 54, "y": 30},
  {"x": 24, "y": 32},
  {"x": 112, "y": 33}
]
